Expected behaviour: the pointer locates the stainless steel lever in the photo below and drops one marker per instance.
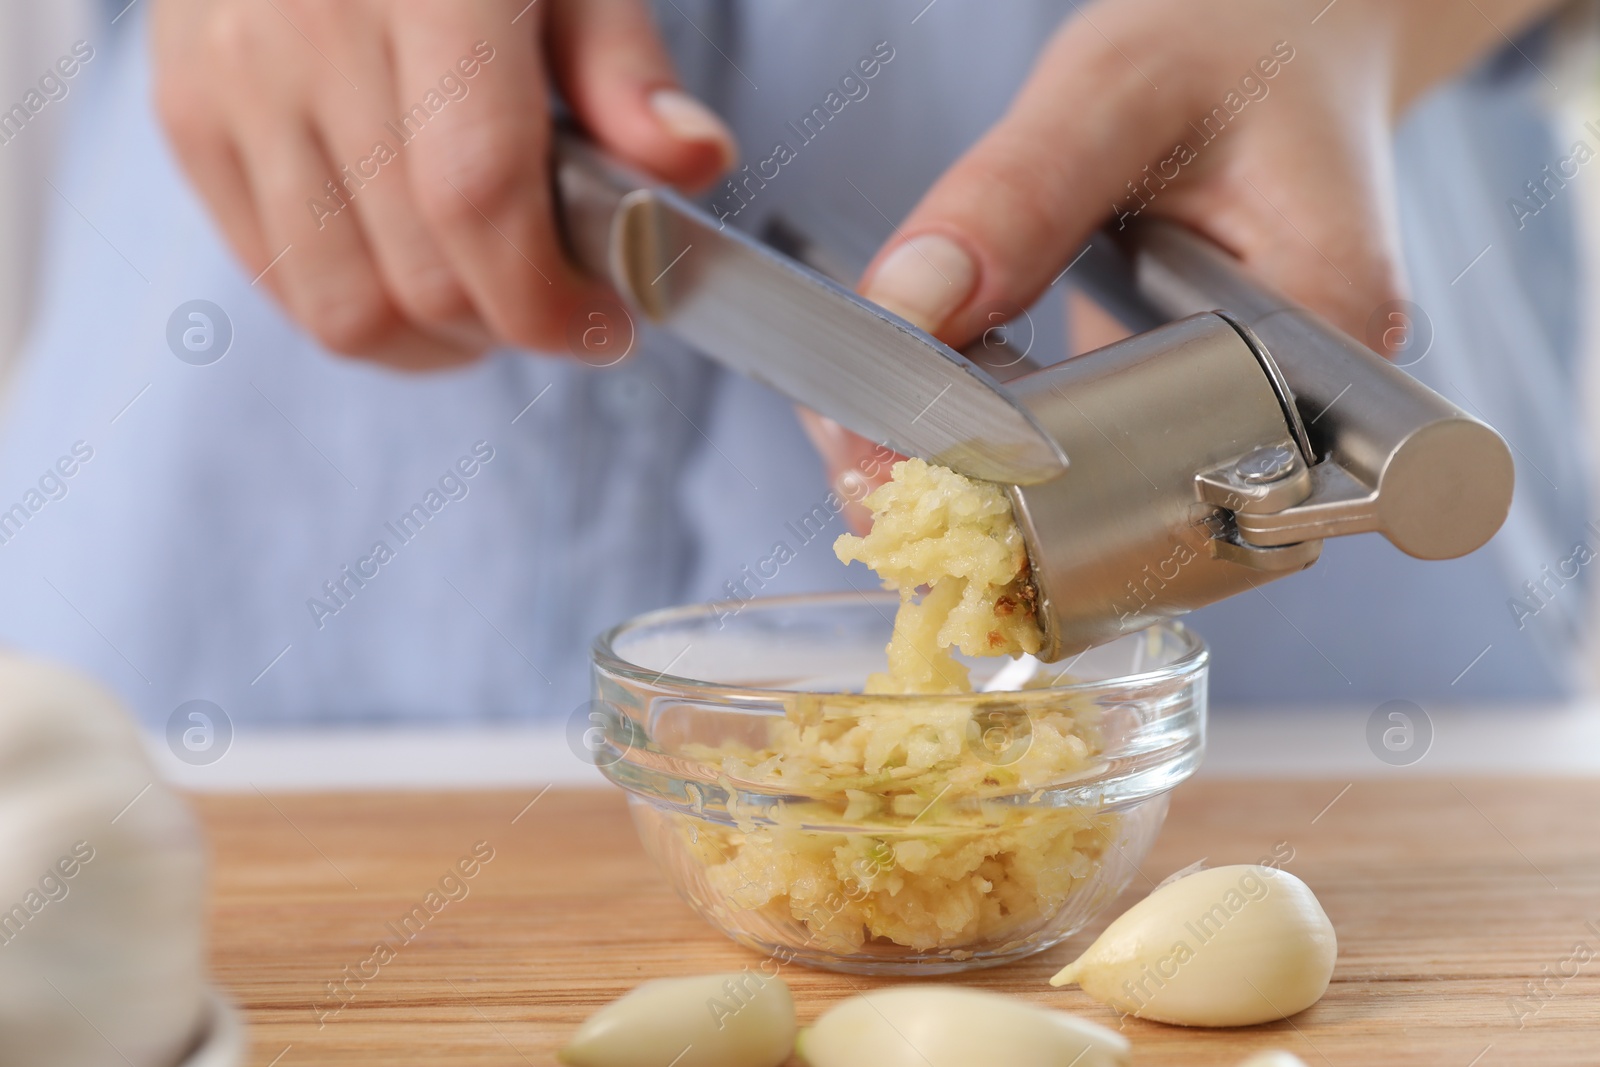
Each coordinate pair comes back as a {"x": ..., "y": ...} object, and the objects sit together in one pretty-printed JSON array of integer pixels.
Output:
[
  {"x": 1211, "y": 452},
  {"x": 1216, "y": 452}
]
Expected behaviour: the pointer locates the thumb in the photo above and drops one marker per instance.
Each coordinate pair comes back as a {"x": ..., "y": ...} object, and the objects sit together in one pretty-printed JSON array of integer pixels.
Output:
[
  {"x": 1000, "y": 223},
  {"x": 610, "y": 64}
]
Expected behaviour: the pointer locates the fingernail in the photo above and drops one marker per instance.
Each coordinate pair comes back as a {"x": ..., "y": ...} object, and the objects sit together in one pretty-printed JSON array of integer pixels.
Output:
[
  {"x": 924, "y": 280},
  {"x": 852, "y": 487},
  {"x": 690, "y": 120}
]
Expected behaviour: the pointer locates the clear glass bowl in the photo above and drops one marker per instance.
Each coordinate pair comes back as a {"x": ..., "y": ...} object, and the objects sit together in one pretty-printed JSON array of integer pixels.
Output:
[{"x": 887, "y": 834}]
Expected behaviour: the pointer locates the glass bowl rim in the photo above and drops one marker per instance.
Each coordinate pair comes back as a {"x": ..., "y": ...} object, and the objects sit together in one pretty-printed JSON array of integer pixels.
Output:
[
  {"x": 1152, "y": 760},
  {"x": 1192, "y": 660}
]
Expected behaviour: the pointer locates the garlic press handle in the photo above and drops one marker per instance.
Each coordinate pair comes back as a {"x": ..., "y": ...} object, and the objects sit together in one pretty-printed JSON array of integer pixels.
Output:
[{"x": 1387, "y": 453}]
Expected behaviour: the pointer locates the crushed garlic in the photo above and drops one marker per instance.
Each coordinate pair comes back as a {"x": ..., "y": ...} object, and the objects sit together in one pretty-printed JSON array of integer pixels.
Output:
[
  {"x": 936, "y": 528},
  {"x": 981, "y": 873}
]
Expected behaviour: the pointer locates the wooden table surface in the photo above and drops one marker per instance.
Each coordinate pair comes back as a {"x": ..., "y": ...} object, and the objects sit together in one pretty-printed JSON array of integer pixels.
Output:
[{"x": 1449, "y": 899}]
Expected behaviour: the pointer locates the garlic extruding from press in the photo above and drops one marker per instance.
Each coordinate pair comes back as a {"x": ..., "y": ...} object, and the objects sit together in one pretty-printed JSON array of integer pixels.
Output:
[
  {"x": 950, "y": 1026},
  {"x": 713, "y": 1020},
  {"x": 1230, "y": 946}
]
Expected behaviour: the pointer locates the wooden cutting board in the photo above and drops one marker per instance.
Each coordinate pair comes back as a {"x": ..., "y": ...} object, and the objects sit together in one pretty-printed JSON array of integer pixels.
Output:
[{"x": 1449, "y": 899}]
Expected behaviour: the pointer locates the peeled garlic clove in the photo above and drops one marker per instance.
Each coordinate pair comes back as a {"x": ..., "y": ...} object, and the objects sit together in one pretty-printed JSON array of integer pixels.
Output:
[
  {"x": 1231, "y": 946},
  {"x": 713, "y": 1020},
  {"x": 1274, "y": 1058},
  {"x": 948, "y": 1026}
]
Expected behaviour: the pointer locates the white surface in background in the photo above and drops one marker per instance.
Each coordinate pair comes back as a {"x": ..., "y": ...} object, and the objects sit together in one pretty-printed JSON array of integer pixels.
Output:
[
  {"x": 33, "y": 36},
  {"x": 1330, "y": 744},
  {"x": 1320, "y": 744},
  {"x": 445, "y": 758}
]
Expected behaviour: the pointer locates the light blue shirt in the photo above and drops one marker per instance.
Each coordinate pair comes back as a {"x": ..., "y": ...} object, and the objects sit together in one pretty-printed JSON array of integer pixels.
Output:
[{"x": 218, "y": 535}]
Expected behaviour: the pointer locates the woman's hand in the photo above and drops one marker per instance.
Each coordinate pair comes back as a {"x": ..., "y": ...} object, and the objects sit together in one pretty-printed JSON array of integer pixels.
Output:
[
  {"x": 383, "y": 164},
  {"x": 1264, "y": 124}
]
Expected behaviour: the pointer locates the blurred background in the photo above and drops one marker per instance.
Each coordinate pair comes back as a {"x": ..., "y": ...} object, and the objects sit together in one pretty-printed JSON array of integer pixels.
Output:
[{"x": 186, "y": 563}]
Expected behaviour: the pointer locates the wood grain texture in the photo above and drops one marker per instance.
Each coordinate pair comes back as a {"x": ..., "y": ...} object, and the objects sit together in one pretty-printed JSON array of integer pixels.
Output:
[{"x": 1448, "y": 898}]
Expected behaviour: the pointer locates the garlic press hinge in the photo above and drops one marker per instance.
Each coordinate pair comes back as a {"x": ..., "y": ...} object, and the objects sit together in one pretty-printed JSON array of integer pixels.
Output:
[
  {"x": 1262, "y": 481},
  {"x": 1275, "y": 500},
  {"x": 1338, "y": 505}
]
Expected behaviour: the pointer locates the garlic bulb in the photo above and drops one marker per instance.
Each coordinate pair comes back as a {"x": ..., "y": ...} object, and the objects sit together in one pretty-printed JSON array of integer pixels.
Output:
[
  {"x": 1275, "y": 1058},
  {"x": 1230, "y": 946},
  {"x": 714, "y": 1020},
  {"x": 102, "y": 880},
  {"x": 948, "y": 1026}
]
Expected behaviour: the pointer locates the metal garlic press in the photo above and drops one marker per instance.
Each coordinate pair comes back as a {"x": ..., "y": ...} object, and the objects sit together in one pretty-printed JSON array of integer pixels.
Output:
[{"x": 1207, "y": 455}]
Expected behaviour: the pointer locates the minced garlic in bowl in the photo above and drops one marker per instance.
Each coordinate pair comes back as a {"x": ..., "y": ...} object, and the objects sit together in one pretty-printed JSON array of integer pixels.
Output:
[{"x": 823, "y": 809}]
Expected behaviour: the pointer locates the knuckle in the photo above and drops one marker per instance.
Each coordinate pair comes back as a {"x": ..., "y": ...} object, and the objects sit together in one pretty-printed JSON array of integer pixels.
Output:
[
  {"x": 183, "y": 115},
  {"x": 538, "y": 324},
  {"x": 230, "y": 34},
  {"x": 481, "y": 168},
  {"x": 536, "y": 331},
  {"x": 283, "y": 185},
  {"x": 350, "y": 324},
  {"x": 1032, "y": 205},
  {"x": 309, "y": 16},
  {"x": 431, "y": 294},
  {"x": 1369, "y": 273},
  {"x": 1012, "y": 201}
]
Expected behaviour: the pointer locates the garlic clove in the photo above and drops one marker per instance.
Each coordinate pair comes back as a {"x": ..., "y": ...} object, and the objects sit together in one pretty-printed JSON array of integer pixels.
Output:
[
  {"x": 950, "y": 1026},
  {"x": 1275, "y": 1058},
  {"x": 1229, "y": 946},
  {"x": 715, "y": 1020},
  {"x": 103, "y": 866}
]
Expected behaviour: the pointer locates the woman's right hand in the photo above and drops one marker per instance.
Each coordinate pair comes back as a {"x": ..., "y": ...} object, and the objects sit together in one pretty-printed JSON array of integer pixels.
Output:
[{"x": 444, "y": 242}]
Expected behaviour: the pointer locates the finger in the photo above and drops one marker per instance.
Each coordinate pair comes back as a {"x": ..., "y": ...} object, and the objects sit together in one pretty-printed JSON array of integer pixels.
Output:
[
  {"x": 417, "y": 349},
  {"x": 478, "y": 162},
  {"x": 1001, "y": 222},
  {"x": 366, "y": 137},
  {"x": 1313, "y": 214},
  {"x": 855, "y": 465},
  {"x": 202, "y": 146},
  {"x": 1089, "y": 325},
  {"x": 613, "y": 70},
  {"x": 322, "y": 266}
]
